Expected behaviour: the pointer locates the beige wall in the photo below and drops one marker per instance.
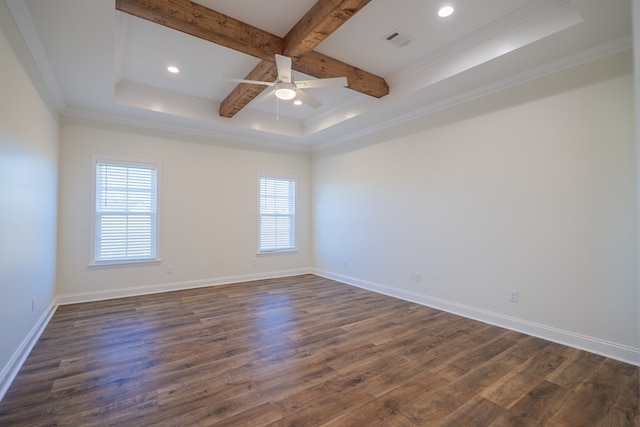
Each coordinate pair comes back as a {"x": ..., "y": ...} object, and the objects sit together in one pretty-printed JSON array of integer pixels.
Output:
[
  {"x": 208, "y": 211},
  {"x": 28, "y": 200},
  {"x": 532, "y": 189}
]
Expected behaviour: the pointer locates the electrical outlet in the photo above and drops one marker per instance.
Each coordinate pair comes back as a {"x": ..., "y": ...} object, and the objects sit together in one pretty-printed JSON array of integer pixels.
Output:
[
  {"x": 413, "y": 277},
  {"x": 170, "y": 269},
  {"x": 253, "y": 262},
  {"x": 513, "y": 295},
  {"x": 419, "y": 277},
  {"x": 33, "y": 304},
  {"x": 345, "y": 262}
]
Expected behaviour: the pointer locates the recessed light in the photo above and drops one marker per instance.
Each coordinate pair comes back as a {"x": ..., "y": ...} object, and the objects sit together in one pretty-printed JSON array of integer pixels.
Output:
[
  {"x": 297, "y": 102},
  {"x": 445, "y": 11},
  {"x": 172, "y": 69}
]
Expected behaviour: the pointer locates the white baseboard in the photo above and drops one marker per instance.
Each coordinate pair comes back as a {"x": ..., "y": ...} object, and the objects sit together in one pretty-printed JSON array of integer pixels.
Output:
[
  {"x": 11, "y": 369},
  {"x": 612, "y": 350},
  {"x": 79, "y": 297}
]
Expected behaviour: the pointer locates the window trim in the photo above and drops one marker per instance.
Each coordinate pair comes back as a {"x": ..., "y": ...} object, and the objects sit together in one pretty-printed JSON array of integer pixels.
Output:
[
  {"x": 275, "y": 251},
  {"x": 95, "y": 159}
]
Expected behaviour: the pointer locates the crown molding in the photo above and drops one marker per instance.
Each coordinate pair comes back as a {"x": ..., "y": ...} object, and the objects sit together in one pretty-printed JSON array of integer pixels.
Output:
[
  {"x": 589, "y": 55},
  {"x": 509, "y": 26},
  {"x": 74, "y": 115},
  {"x": 22, "y": 18}
]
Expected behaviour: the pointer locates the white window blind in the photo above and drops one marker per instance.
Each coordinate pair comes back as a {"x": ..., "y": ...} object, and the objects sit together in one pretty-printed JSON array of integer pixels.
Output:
[
  {"x": 277, "y": 214},
  {"x": 125, "y": 215}
]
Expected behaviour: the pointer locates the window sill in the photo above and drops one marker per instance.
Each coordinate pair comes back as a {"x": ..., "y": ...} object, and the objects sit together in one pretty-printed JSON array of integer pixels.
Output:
[
  {"x": 277, "y": 252},
  {"x": 115, "y": 264}
]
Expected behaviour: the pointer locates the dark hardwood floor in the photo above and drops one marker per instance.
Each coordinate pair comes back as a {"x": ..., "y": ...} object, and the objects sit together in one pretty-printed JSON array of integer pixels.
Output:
[{"x": 304, "y": 351}]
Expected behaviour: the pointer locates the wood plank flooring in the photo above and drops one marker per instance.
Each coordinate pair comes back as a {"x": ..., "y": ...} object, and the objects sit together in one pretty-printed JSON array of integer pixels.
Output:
[{"x": 304, "y": 351}]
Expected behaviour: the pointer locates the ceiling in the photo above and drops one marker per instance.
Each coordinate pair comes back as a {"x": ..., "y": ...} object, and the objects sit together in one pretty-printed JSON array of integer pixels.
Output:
[{"x": 105, "y": 64}]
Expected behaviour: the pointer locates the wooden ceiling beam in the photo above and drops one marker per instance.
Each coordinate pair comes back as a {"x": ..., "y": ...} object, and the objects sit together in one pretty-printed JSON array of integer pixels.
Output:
[
  {"x": 325, "y": 17},
  {"x": 318, "y": 23},
  {"x": 315, "y": 26},
  {"x": 321, "y": 66},
  {"x": 199, "y": 21},
  {"x": 243, "y": 93}
]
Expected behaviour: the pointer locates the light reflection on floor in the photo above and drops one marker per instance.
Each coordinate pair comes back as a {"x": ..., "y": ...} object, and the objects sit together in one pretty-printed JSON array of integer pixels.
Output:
[{"x": 275, "y": 323}]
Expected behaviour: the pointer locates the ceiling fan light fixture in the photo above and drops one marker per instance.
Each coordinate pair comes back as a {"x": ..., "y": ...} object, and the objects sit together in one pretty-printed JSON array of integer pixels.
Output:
[{"x": 285, "y": 91}]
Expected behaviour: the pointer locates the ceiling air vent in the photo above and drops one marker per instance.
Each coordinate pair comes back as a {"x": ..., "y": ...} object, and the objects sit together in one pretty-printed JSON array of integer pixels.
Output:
[{"x": 398, "y": 39}]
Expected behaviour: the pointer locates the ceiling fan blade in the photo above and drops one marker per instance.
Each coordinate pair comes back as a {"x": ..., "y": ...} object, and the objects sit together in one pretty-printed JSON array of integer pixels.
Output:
[
  {"x": 308, "y": 99},
  {"x": 251, "y": 82},
  {"x": 330, "y": 82},
  {"x": 283, "y": 63}
]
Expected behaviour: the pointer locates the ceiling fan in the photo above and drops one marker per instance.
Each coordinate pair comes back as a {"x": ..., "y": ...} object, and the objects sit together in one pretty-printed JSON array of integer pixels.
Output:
[{"x": 285, "y": 88}]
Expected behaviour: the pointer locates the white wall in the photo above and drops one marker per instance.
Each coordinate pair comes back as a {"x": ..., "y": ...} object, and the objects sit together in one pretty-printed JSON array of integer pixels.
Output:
[
  {"x": 531, "y": 189},
  {"x": 28, "y": 199},
  {"x": 208, "y": 211},
  {"x": 636, "y": 68}
]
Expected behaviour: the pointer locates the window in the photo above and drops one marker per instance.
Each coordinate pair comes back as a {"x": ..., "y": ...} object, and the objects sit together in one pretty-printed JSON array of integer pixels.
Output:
[
  {"x": 277, "y": 215},
  {"x": 125, "y": 216}
]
